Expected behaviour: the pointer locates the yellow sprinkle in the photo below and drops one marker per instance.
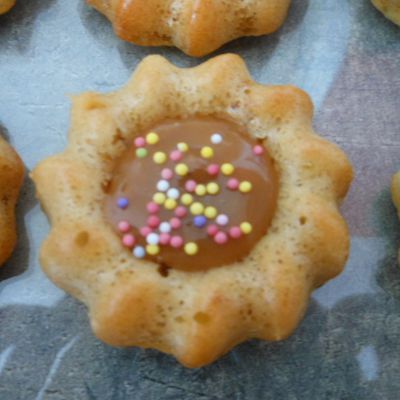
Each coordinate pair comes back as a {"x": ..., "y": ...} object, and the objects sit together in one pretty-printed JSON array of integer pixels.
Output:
[
  {"x": 152, "y": 138},
  {"x": 159, "y": 157},
  {"x": 186, "y": 199},
  {"x": 200, "y": 190},
  {"x": 197, "y": 208},
  {"x": 182, "y": 169},
  {"x": 246, "y": 227},
  {"x": 152, "y": 249},
  {"x": 191, "y": 248},
  {"x": 159, "y": 198},
  {"x": 207, "y": 152},
  {"x": 245, "y": 186},
  {"x": 170, "y": 204},
  {"x": 212, "y": 188},
  {"x": 183, "y": 147},
  {"x": 227, "y": 169},
  {"x": 210, "y": 212}
]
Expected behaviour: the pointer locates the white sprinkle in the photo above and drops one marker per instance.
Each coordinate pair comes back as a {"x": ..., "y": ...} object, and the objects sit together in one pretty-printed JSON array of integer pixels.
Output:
[
  {"x": 153, "y": 238},
  {"x": 222, "y": 219},
  {"x": 139, "y": 252},
  {"x": 162, "y": 185},
  {"x": 165, "y": 227},
  {"x": 173, "y": 193},
  {"x": 216, "y": 138}
]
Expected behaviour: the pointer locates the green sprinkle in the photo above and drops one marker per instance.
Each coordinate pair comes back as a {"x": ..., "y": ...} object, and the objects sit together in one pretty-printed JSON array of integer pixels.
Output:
[{"x": 141, "y": 153}]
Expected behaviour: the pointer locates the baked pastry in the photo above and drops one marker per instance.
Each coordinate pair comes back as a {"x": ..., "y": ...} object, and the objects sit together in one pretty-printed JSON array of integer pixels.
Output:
[
  {"x": 197, "y": 27},
  {"x": 396, "y": 191},
  {"x": 6, "y": 5},
  {"x": 11, "y": 176},
  {"x": 194, "y": 209},
  {"x": 390, "y": 8}
]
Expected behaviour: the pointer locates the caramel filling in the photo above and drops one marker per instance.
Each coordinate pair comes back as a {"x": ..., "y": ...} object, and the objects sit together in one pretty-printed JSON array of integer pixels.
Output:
[{"x": 192, "y": 194}]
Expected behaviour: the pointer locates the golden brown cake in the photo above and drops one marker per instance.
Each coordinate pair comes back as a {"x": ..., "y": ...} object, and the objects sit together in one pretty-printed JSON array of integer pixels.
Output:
[
  {"x": 390, "y": 8},
  {"x": 6, "y": 5},
  {"x": 197, "y": 27},
  {"x": 194, "y": 209},
  {"x": 11, "y": 176}
]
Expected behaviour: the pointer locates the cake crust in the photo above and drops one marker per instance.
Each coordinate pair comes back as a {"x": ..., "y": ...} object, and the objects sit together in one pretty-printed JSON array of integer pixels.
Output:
[
  {"x": 6, "y": 5},
  {"x": 390, "y": 9}
]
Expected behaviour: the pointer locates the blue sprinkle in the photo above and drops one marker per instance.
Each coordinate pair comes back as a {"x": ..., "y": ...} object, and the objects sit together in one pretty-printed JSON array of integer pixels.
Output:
[
  {"x": 200, "y": 221},
  {"x": 122, "y": 202}
]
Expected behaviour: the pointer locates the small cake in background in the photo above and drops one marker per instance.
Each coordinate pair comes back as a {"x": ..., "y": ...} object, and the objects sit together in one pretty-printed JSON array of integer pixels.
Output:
[
  {"x": 6, "y": 5},
  {"x": 390, "y": 8},
  {"x": 396, "y": 191}
]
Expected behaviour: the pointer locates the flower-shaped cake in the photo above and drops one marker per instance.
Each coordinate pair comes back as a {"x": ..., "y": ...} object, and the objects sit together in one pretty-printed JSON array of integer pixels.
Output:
[
  {"x": 197, "y": 27},
  {"x": 390, "y": 8},
  {"x": 11, "y": 176},
  {"x": 6, "y": 5},
  {"x": 194, "y": 209}
]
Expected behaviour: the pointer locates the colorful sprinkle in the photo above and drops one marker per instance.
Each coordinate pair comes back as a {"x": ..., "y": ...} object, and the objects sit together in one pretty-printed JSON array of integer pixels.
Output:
[
  {"x": 182, "y": 169},
  {"x": 222, "y": 220},
  {"x": 191, "y": 248},
  {"x": 124, "y": 226},
  {"x": 153, "y": 221},
  {"x": 152, "y": 249},
  {"x": 221, "y": 238},
  {"x": 152, "y": 207},
  {"x": 233, "y": 184},
  {"x": 258, "y": 150},
  {"x": 176, "y": 242},
  {"x": 212, "y": 188},
  {"x": 176, "y": 155},
  {"x": 159, "y": 157},
  {"x": 173, "y": 193},
  {"x": 199, "y": 221},
  {"x": 235, "y": 232},
  {"x": 139, "y": 252},
  {"x": 182, "y": 147},
  {"x": 213, "y": 169},
  {"x": 167, "y": 174},
  {"x": 163, "y": 185},
  {"x": 186, "y": 199},
  {"x": 165, "y": 227},
  {"x": 122, "y": 203},
  {"x": 197, "y": 208},
  {"x": 152, "y": 138},
  {"x": 141, "y": 153},
  {"x": 165, "y": 238},
  {"x": 140, "y": 142},
  {"x": 181, "y": 211},
  {"x": 227, "y": 169},
  {"x": 210, "y": 212},
  {"x": 128, "y": 240},
  {"x": 153, "y": 238},
  {"x": 159, "y": 198},
  {"x": 212, "y": 229},
  {"x": 216, "y": 138},
  {"x": 175, "y": 223},
  {"x": 170, "y": 204},
  {"x": 245, "y": 186},
  {"x": 190, "y": 185},
  {"x": 200, "y": 190},
  {"x": 207, "y": 152},
  {"x": 145, "y": 230},
  {"x": 246, "y": 227}
]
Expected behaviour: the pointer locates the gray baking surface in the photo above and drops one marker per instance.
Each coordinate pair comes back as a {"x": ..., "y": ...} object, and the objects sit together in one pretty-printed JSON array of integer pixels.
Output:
[{"x": 347, "y": 56}]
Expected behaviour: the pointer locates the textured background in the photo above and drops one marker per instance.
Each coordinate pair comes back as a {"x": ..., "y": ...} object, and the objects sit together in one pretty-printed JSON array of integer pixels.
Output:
[{"x": 347, "y": 56}]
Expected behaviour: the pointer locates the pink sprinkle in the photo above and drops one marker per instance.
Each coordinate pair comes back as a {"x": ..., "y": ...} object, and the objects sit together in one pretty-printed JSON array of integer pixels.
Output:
[
  {"x": 153, "y": 208},
  {"x": 176, "y": 241},
  {"x": 233, "y": 184},
  {"x": 128, "y": 240},
  {"x": 145, "y": 230},
  {"x": 175, "y": 155},
  {"x": 167, "y": 173},
  {"x": 140, "y": 142},
  {"x": 124, "y": 226},
  {"x": 175, "y": 223},
  {"x": 221, "y": 238},
  {"x": 212, "y": 229},
  {"x": 165, "y": 238},
  {"x": 153, "y": 221},
  {"x": 258, "y": 150},
  {"x": 235, "y": 232},
  {"x": 213, "y": 169},
  {"x": 190, "y": 185},
  {"x": 180, "y": 211}
]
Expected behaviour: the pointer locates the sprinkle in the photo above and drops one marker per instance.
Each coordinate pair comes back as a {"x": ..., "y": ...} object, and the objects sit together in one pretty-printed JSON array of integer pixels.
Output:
[
  {"x": 245, "y": 187},
  {"x": 153, "y": 221},
  {"x": 152, "y": 138},
  {"x": 186, "y": 199},
  {"x": 152, "y": 249},
  {"x": 233, "y": 184},
  {"x": 159, "y": 157},
  {"x": 222, "y": 220},
  {"x": 165, "y": 238},
  {"x": 197, "y": 208},
  {"x": 122, "y": 202},
  {"x": 212, "y": 188},
  {"x": 199, "y": 221},
  {"x": 212, "y": 229},
  {"x": 145, "y": 230},
  {"x": 182, "y": 147},
  {"x": 200, "y": 190},
  {"x": 258, "y": 150},
  {"x": 210, "y": 212},
  {"x": 227, "y": 169},
  {"x": 207, "y": 152},
  {"x": 235, "y": 232},
  {"x": 176, "y": 242},
  {"x": 173, "y": 193},
  {"x": 190, "y": 185},
  {"x": 128, "y": 240},
  {"x": 181, "y": 211},
  {"x": 140, "y": 142},
  {"x": 153, "y": 238},
  {"x": 175, "y": 223},
  {"x": 124, "y": 226},
  {"x": 167, "y": 173},
  {"x": 139, "y": 252},
  {"x": 141, "y": 153},
  {"x": 182, "y": 169},
  {"x": 165, "y": 227},
  {"x": 191, "y": 248},
  {"x": 213, "y": 169},
  {"x": 159, "y": 198},
  {"x": 170, "y": 204},
  {"x": 246, "y": 227},
  {"x": 152, "y": 207},
  {"x": 216, "y": 138},
  {"x": 221, "y": 238},
  {"x": 162, "y": 185},
  {"x": 176, "y": 155}
]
